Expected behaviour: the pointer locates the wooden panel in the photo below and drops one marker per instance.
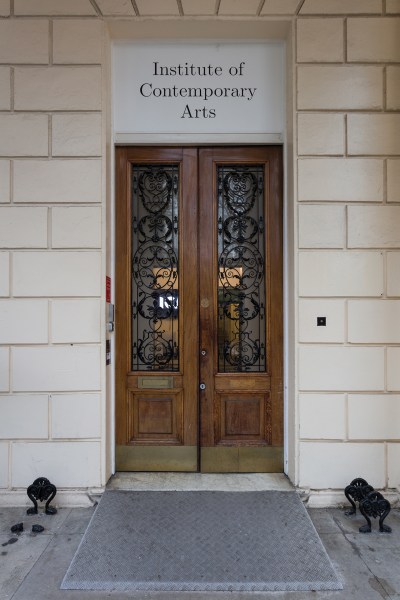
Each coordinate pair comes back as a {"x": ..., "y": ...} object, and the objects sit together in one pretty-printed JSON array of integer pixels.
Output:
[
  {"x": 155, "y": 417},
  {"x": 241, "y": 416},
  {"x": 243, "y": 419},
  {"x": 257, "y": 383}
]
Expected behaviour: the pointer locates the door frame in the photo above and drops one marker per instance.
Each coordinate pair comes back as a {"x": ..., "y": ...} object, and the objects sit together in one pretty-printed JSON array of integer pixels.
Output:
[{"x": 275, "y": 191}]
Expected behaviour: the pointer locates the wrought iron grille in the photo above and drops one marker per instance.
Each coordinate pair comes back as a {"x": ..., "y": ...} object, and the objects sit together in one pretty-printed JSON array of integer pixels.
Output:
[
  {"x": 155, "y": 228},
  {"x": 241, "y": 281}
]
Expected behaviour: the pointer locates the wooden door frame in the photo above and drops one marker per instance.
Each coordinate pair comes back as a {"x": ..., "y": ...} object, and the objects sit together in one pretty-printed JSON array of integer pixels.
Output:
[{"x": 122, "y": 272}]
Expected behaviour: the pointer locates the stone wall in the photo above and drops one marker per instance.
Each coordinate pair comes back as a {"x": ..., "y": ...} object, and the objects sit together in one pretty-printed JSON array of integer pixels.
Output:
[{"x": 346, "y": 260}]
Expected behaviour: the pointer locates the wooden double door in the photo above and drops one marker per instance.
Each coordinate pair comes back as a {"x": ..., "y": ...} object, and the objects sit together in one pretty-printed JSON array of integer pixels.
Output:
[{"x": 199, "y": 357}]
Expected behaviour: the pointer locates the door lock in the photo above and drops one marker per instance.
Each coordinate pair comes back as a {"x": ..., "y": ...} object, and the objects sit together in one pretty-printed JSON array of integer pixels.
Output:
[
  {"x": 202, "y": 386},
  {"x": 203, "y": 352}
]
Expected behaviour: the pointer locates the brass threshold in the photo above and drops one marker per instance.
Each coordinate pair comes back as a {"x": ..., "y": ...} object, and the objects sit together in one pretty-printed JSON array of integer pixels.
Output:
[
  {"x": 225, "y": 459},
  {"x": 218, "y": 459},
  {"x": 156, "y": 458}
]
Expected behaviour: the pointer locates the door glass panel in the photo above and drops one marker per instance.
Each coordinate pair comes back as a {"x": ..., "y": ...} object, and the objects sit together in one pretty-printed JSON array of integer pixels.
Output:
[
  {"x": 154, "y": 282},
  {"x": 241, "y": 281}
]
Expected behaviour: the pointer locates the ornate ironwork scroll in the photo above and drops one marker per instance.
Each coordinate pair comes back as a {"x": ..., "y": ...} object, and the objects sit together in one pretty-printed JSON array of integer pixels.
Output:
[
  {"x": 155, "y": 332},
  {"x": 370, "y": 502},
  {"x": 241, "y": 281},
  {"x": 41, "y": 489}
]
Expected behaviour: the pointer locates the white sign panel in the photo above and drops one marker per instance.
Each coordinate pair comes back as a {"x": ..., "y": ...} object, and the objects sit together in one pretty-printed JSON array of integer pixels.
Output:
[{"x": 198, "y": 88}]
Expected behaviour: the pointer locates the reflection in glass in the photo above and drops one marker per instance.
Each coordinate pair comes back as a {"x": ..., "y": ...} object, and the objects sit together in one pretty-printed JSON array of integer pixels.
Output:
[
  {"x": 155, "y": 321},
  {"x": 241, "y": 281}
]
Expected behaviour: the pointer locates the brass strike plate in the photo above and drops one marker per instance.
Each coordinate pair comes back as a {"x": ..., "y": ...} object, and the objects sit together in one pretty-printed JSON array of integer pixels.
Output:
[{"x": 155, "y": 383}]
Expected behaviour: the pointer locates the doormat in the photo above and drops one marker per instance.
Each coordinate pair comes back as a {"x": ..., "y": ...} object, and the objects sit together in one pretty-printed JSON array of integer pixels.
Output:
[{"x": 201, "y": 541}]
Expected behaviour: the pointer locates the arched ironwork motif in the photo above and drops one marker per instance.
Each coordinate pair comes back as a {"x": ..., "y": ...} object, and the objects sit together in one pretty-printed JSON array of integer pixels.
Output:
[
  {"x": 155, "y": 267},
  {"x": 241, "y": 281}
]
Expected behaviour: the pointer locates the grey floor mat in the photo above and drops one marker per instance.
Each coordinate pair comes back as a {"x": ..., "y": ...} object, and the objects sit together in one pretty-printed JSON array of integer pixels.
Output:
[{"x": 206, "y": 541}]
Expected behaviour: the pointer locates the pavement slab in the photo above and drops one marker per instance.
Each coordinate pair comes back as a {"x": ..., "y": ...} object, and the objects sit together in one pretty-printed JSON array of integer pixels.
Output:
[
  {"x": 17, "y": 559},
  {"x": 367, "y": 563}
]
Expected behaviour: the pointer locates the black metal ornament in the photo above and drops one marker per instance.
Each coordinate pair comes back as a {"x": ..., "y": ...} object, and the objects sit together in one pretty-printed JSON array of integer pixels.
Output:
[
  {"x": 375, "y": 505},
  {"x": 355, "y": 492},
  {"x": 41, "y": 490},
  {"x": 370, "y": 502}
]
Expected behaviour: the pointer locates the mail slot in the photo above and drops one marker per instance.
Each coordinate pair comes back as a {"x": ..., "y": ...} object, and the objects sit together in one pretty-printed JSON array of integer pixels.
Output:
[{"x": 155, "y": 383}]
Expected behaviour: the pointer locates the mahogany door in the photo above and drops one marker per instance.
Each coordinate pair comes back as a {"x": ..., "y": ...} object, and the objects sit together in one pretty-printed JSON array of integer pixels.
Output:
[
  {"x": 199, "y": 309},
  {"x": 240, "y": 269}
]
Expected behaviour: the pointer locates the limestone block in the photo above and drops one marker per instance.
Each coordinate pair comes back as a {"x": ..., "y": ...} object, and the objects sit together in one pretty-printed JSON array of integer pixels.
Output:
[
  {"x": 345, "y": 461},
  {"x": 76, "y": 135},
  {"x": 194, "y": 8},
  {"x": 320, "y": 40},
  {"x": 374, "y": 226},
  {"x": 24, "y": 135},
  {"x": 374, "y": 417},
  {"x": 233, "y": 7},
  {"x": 54, "y": 7},
  {"x": 76, "y": 227},
  {"x": 322, "y": 416},
  {"x": 4, "y": 274},
  {"x": 320, "y": 133},
  {"x": 333, "y": 310},
  {"x": 4, "y": 369},
  {"x": 279, "y": 7},
  {"x": 4, "y": 181},
  {"x": 24, "y": 416},
  {"x": 339, "y": 87},
  {"x": 341, "y": 368},
  {"x": 338, "y": 7},
  {"x": 393, "y": 273},
  {"x": 3, "y": 465},
  {"x": 23, "y": 322},
  {"x": 23, "y": 227},
  {"x": 116, "y": 8},
  {"x": 77, "y": 41},
  {"x": 57, "y": 274},
  {"x": 338, "y": 273},
  {"x": 393, "y": 180},
  {"x": 393, "y": 88},
  {"x": 55, "y": 181},
  {"x": 75, "y": 321},
  {"x": 5, "y": 88},
  {"x": 64, "y": 409},
  {"x": 321, "y": 226},
  {"x": 373, "y": 134},
  {"x": 393, "y": 7},
  {"x": 393, "y": 462},
  {"x": 56, "y": 368},
  {"x": 24, "y": 41},
  {"x": 393, "y": 370},
  {"x": 374, "y": 321},
  {"x": 4, "y": 8},
  {"x": 80, "y": 463},
  {"x": 57, "y": 88},
  {"x": 340, "y": 179},
  {"x": 373, "y": 39}
]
